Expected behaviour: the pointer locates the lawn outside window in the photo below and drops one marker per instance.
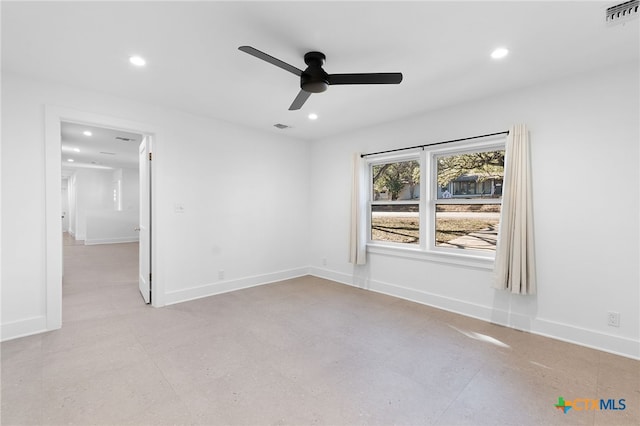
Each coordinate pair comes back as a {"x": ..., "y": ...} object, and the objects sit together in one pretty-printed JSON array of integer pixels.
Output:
[{"x": 441, "y": 202}]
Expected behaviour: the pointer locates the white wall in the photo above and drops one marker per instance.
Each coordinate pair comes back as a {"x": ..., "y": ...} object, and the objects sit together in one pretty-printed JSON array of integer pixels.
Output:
[
  {"x": 93, "y": 193},
  {"x": 200, "y": 164},
  {"x": 103, "y": 217},
  {"x": 584, "y": 135},
  {"x": 130, "y": 190},
  {"x": 110, "y": 226}
]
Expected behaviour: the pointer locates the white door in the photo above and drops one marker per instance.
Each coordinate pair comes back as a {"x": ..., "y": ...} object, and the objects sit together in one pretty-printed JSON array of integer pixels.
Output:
[
  {"x": 65, "y": 207},
  {"x": 144, "y": 278}
]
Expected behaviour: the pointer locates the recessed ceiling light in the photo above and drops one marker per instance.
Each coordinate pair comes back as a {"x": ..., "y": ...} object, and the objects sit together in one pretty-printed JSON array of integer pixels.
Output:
[
  {"x": 138, "y": 61},
  {"x": 499, "y": 53},
  {"x": 71, "y": 160},
  {"x": 76, "y": 149},
  {"x": 313, "y": 116},
  {"x": 87, "y": 133}
]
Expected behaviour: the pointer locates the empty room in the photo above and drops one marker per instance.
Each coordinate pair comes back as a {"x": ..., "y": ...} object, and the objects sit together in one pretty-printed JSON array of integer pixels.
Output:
[{"x": 320, "y": 213}]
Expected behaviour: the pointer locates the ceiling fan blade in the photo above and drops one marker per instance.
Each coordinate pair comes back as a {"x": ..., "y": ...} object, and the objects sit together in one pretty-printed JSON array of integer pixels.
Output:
[
  {"x": 299, "y": 100},
  {"x": 268, "y": 58},
  {"x": 372, "y": 78}
]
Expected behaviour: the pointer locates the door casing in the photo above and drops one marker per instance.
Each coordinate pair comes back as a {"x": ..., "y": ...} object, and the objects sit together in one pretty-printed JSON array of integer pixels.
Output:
[{"x": 54, "y": 116}]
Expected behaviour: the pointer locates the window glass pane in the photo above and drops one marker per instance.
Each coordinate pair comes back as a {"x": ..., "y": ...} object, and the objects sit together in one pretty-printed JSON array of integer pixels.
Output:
[
  {"x": 474, "y": 175},
  {"x": 396, "y": 181},
  {"x": 399, "y": 223},
  {"x": 467, "y": 226}
]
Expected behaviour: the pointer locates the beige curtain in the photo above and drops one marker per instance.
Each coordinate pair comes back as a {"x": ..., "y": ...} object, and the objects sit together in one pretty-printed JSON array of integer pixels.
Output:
[
  {"x": 358, "y": 242},
  {"x": 515, "y": 263}
]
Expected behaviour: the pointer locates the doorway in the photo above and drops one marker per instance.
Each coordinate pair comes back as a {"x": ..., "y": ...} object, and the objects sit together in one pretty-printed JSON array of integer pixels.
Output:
[
  {"x": 92, "y": 230},
  {"x": 107, "y": 192}
]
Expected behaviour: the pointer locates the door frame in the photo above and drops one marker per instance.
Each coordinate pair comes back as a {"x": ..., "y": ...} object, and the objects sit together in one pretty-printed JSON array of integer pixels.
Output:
[
  {"x": 54, "y": 116},
  {"x": 145, "y": 262}
]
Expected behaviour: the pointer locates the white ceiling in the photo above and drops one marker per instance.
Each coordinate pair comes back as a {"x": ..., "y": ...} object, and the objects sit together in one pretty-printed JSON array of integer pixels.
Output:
[
  {"x": 193, "y": 61},
  {"x": 104, "y": 149}
]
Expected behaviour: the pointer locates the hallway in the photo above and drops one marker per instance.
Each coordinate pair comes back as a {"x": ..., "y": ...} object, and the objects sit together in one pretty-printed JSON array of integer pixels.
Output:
[{"x": 99, "y": 280}]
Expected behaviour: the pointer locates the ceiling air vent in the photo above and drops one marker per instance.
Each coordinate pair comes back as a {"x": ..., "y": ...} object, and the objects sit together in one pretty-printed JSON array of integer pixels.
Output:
[
  {"x": 107, "y": 153},
  {"x": 281, "y": 126},
  {"x": 622, "y": 12},
  {"x": 120, "y": 138}
]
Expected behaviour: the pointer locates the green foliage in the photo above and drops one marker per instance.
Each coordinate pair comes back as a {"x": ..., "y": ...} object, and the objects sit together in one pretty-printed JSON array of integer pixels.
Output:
[
  {"x": 394, "y": 184},
  {"x": 393, "y": 177},
  {"x": 485, "y": 165}
]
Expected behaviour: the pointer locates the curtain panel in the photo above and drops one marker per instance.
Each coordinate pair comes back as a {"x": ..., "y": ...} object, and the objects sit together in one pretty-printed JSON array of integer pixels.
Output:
[
  {"x": 515, "y": 260},
  {"x": 358, "y": 237}
]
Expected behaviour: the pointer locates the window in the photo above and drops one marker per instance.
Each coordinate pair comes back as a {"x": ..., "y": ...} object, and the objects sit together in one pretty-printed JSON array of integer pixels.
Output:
[
  {"x": 395, "y": 201},
  {"x": 438, "y": 200},
  {"x": 117, "y": 195},
  {"x": 468, "y": 199}
]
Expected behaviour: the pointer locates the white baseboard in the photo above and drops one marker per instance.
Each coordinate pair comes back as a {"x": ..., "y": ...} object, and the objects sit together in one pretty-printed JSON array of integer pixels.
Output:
[
  {"x": 22, "y": 328},
  {"x": 618, "y": 345},
  {"x": 231, "y": 285},
  {"x": 566, "y": 332},
  {"x": 111, "y": 240}
]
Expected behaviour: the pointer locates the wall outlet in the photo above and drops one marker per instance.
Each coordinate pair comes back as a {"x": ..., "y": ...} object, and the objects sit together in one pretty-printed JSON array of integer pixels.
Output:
[
  {"x": 613, "y": 319},
  {"x": 221, "y": 274}
]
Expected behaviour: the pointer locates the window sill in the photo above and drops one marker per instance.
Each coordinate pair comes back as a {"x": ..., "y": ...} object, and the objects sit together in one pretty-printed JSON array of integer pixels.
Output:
[{"x": 465, "y": 260}]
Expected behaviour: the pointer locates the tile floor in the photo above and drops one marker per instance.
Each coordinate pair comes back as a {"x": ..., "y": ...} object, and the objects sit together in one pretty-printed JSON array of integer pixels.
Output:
[{"x": 300, "y": 352}]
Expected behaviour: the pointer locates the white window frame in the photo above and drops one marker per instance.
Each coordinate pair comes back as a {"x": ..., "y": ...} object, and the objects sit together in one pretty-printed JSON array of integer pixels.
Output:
[
  {"x": 432, "y": 200},
  {"x": 397, "y": 158},
  {"x": 426, "y": 249}
]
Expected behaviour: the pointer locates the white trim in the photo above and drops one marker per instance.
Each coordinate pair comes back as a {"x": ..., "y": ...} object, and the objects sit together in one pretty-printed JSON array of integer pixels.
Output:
[
  {"x": 617, "y": 345},
  {"x": 415, "y": 201},
  {"x": 54, "y": 115},
  {"x": 111, "y": 241},
  {"x": 472, "y": 259},
  {"x": 22, "y": 328},
  {"x": 594, "y": 339},
  {"x": 394, "y": 157},
  {"x": 467, "y": 147},
  {"x": 454, "y": 201},
  {"x": 329, "y": 274},
  {"x": 226, "y": 286},
  {"x": 53, "y": 224},
  {"x": 428, "y": 233}
]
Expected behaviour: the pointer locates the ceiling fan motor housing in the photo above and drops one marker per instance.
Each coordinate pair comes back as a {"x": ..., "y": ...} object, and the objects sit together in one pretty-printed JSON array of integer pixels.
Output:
[{"x": 314, "y": 79}]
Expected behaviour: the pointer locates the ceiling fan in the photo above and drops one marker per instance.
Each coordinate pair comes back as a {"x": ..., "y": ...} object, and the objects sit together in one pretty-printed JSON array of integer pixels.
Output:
[{"x": 314, "y": 79}]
